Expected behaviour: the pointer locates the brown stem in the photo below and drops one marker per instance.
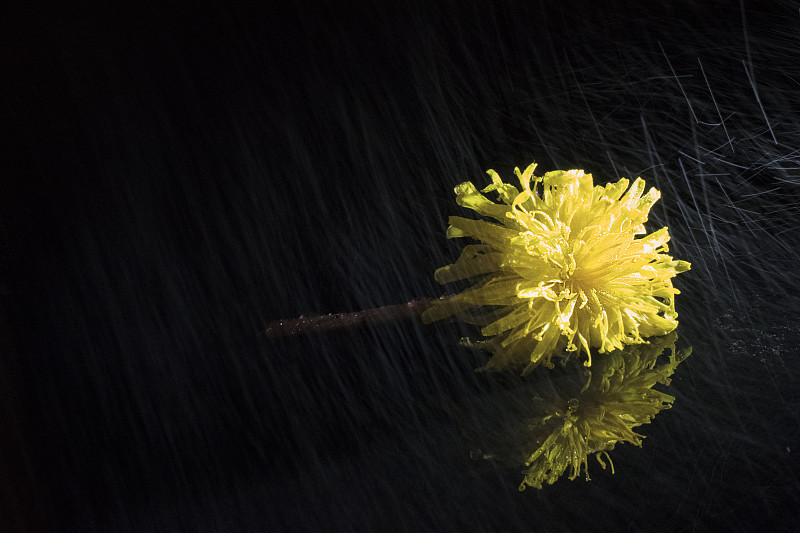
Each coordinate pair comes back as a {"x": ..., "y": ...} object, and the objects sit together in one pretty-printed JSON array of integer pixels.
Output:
[{"x": 376, "y": 315}]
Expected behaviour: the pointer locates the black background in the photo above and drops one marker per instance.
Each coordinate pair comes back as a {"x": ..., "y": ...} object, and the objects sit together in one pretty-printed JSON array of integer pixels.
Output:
[{"x": 175, "y": 177}]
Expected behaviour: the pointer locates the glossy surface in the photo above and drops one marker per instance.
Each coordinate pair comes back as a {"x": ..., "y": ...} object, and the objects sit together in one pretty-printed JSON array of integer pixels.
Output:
[{"x": 179, "y": 178}]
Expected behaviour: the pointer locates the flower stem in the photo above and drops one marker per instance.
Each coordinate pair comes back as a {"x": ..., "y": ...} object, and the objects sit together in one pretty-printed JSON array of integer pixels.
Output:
[{"x": 387, "y": 313}]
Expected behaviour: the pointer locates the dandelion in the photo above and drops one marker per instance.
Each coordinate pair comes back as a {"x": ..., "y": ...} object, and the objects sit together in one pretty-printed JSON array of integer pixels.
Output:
[{"x": 568, "y": 268}]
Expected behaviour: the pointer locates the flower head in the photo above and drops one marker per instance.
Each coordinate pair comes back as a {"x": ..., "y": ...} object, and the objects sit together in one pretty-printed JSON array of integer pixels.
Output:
[{"x": 568, "y": 267}]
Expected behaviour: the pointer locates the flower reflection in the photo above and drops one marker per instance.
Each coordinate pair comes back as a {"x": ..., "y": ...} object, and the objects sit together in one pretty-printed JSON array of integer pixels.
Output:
[
  {"x": 576, "y": 411},
  {"x": 616, "y": 396}
]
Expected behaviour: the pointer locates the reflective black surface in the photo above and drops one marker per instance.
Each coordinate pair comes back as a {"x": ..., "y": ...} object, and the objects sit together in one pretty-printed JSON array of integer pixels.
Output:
[{"x": 180, "y": 178}]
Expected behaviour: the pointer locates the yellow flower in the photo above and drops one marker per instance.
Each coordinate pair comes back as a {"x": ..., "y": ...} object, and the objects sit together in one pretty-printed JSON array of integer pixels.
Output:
[
  {"x": 568, "y": 267},
  {"x": 617, "y": 397}
]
